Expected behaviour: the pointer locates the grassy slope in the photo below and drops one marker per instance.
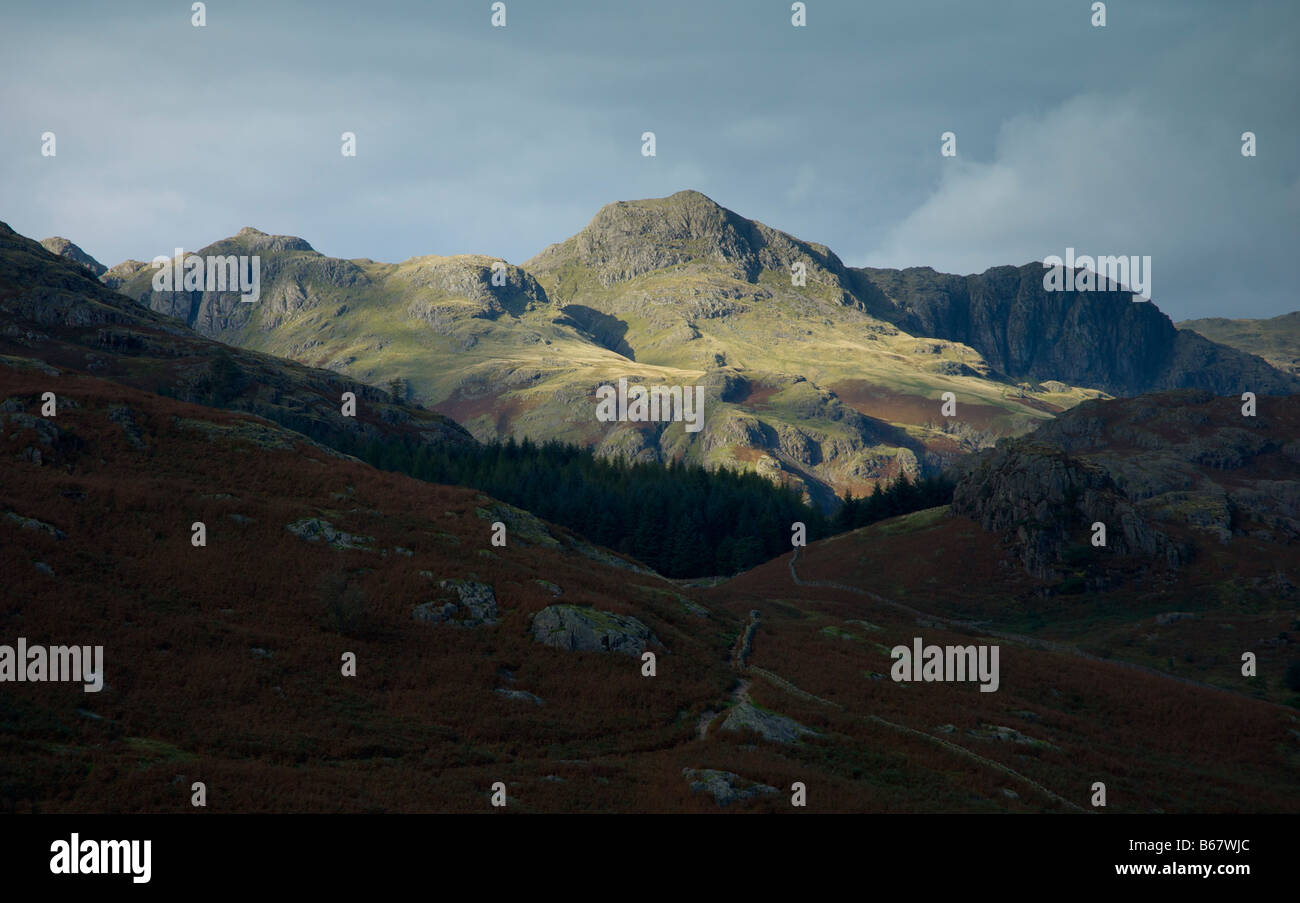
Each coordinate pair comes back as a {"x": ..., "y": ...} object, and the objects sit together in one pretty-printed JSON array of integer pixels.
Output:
[{"x": 1276, "y": 340}]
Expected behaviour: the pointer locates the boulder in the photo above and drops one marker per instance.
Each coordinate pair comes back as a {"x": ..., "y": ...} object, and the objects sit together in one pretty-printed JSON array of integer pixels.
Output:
[
  {"x": 475, "y": 605},
  {"x": 725, "y": 787},
  {"x": 580, "y": 629},
  {"x": 771, "y": 726}
]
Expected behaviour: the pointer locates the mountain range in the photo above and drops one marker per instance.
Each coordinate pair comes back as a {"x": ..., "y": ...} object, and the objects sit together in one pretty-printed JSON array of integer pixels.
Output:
[{"x": 830, "y": 386}]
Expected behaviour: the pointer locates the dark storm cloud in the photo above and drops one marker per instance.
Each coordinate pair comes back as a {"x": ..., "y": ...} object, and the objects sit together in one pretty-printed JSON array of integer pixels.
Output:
[{"x": 1115, "y": 140}]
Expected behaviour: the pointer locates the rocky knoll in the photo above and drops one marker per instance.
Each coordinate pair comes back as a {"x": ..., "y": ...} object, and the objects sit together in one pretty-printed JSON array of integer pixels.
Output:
[{"x": 1165, "y": 473}]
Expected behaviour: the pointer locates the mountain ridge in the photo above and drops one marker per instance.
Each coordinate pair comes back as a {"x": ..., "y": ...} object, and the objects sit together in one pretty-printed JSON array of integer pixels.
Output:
[{"x": 830, "y": 381}]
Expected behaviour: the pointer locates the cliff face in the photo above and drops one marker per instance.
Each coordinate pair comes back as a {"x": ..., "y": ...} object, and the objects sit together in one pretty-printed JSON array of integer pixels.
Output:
[
  {"x": 1100, "y": 339},
  {"x": 1165, "y": 473}
]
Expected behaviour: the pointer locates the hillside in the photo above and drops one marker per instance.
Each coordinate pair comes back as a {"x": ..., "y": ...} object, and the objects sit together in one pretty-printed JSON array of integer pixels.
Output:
[
  {"x": 1276, "y": 340},
  {"x": 54, "y": 311},
  {"x": 521, "y": 663}
]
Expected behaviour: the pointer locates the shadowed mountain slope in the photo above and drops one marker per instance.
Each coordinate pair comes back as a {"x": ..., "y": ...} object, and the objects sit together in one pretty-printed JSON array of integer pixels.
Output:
[
  {"x": 53, "y": 310},
  {"x": 1276, "y": 340},
  {"x": 1101, "y": 339}
]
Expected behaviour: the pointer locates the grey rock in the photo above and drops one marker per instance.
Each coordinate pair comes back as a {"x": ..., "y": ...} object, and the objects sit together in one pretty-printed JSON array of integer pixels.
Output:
[
  {"x": 771, "y": 726},
  {"x": 724, "y": 786},
  {"x": 583, "y": 629},
  {"x": 313, "y": 529},
  {"x": 475, "y": 605}
]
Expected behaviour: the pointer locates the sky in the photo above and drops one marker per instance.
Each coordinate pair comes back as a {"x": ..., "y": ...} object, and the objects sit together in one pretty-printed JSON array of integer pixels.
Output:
[{"x": 1123, "y": 139}]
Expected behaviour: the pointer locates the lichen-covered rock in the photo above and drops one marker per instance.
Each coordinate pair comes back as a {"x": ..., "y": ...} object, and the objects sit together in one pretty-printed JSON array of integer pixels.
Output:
[
  {"x": 581, "y": 629},
  {"x": 771, "y": 726},
  {"x": 724, "y": 786},
  {"x": 475, "y": 605},
  {"x": 313, "y": 529}
]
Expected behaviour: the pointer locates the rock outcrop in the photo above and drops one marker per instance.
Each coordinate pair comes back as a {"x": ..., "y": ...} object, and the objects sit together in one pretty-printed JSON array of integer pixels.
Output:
[
  {"x": 313, "y": 529},
  {"x": 579, "y": 629},
  {"x": 474, "y": 605},
  {"x": 1162, "y": 473},
  {"x": 745, "y": 716},
  {"x": 724, "y": 786}
]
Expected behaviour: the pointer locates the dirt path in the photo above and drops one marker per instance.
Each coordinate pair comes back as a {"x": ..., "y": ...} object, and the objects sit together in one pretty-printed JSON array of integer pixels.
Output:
[
  {"x": 738, "y": 695},
  {"x": 997, "y": 766}
]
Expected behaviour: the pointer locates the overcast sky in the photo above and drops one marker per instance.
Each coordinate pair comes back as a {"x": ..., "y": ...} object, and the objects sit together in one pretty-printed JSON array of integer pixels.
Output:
[{"x": 472, "y": 139}]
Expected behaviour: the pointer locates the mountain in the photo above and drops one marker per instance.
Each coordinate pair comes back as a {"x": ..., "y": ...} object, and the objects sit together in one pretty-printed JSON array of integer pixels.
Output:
[
  {"x": 55, "y": 316},
  {"x": 64, "y": 248},
  {"x": 522, "y": 663},
  {"x": 829, "y": 386},
  {"x": 1100, "y": 339},
  {"x": 807, "y": 385},
  {"x": 1276, "y": 340}
]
